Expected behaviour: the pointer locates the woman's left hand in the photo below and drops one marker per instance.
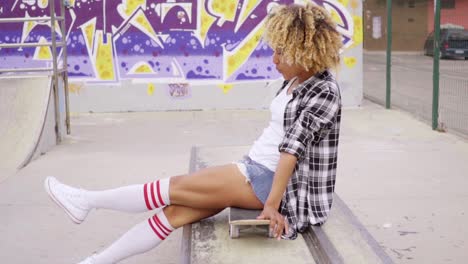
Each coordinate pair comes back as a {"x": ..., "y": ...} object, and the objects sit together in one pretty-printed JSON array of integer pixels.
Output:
[{"x": 278, "y": 222}]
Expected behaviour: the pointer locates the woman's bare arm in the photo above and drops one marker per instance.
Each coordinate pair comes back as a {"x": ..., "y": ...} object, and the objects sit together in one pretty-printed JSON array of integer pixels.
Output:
[{"x": 283, "y": 172}]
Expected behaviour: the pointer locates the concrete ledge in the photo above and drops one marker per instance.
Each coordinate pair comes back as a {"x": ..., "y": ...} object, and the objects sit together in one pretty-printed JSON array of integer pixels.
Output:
[{"x": 342, "y": 239}]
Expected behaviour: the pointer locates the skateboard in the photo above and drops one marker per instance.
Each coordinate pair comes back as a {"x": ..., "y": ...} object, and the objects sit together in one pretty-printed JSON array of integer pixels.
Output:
[{"x": 246, "y": 220}]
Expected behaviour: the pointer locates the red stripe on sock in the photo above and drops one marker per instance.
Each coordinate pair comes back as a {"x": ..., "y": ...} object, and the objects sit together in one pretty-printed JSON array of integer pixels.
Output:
[
  {"x": 153, "y": 197},
  {"x": 163, "y": 227},
  {"x": 160, "y": 225},
  {"x": 145, "y": 193},
  {"x": 154, "y": 229},
  {"x": 159, "y": 194}
]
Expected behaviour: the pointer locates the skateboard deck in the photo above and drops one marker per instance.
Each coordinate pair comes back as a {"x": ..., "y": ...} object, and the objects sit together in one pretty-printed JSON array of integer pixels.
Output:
[{"x": 246, "y": 220}]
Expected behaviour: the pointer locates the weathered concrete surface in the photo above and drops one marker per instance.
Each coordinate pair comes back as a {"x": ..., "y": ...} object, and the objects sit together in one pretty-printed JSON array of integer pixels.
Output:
[
  {"x": 405, "y": 183},
  {"x": 217, "y": 247}
]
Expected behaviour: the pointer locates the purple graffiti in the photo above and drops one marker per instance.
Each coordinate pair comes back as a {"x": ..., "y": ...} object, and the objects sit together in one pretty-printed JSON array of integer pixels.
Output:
[{"x": 150, "y": 39}]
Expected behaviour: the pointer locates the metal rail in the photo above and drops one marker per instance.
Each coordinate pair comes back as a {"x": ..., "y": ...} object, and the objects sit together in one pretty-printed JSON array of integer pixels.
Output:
[
  {"x": 29, "y": 19},
  {"x": 54, "y": 65},
  {"x": 35, "y": 44},
  {"x": 55, "y": 71},
  {"x": 65, "y": 63},
  {"x": 45, "y": 69}
]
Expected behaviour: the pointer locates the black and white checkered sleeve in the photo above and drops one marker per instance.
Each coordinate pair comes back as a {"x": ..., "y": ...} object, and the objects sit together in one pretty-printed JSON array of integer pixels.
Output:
[{"x": 312, "y": 124}]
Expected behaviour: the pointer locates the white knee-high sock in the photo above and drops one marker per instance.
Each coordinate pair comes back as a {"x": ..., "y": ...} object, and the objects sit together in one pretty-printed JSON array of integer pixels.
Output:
[
  {"x": 141, "y": 238},
  {"x": 133, "y": 198}
]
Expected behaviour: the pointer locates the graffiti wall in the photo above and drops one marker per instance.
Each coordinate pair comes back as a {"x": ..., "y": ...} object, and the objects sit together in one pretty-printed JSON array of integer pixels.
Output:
[{"x": 173, "y": 45}]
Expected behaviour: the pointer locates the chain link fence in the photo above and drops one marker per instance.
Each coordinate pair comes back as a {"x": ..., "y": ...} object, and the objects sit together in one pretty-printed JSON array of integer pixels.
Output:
[{"x": 434, "y": 90}]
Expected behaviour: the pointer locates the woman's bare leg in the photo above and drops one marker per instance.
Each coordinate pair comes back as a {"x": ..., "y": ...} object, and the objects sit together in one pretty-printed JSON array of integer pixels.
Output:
[
  {"x": 215, "y": 187},
  {"x": 179, "y": 215},
  {"x": 192, "y": 198}
]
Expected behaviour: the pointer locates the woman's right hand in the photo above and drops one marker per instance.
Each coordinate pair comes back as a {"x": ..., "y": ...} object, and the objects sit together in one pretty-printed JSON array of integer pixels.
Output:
[{"x": 278, "y": 222}]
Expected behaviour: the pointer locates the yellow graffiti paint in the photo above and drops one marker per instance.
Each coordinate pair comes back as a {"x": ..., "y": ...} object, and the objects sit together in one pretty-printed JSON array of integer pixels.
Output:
[
  {"x": 75, "y": 88},
  {"x": 88, "y": 30},
  {"x": 354, "y": 4},
  {"x": 29, "y": 26},
  {"x": 43, "y": 53},
  {"x": 358, "y": 34},
  {"x": 206, "y": 21},
  {"x": 144, "y": 68},
  {"x": 238, "y": 57},
  {"x": 43, "y": 3},
  {"x": 104, "y": 59},
  {"x": 336, "y": 17},
  {"x": 143, "y": 22},
  {"x": 150, "y": 89},
  {"x": 249, "y": 6},
  {"x": 225, "y": 87},
  {"x": 141, "y": 67},
  {"x": 344, "y": 2},
  {"x": 132, "y": 5},
  {"x": 57, "y": 28},
  {"x": 224, "y": 9},
  {"x": 350, "y": 62}
]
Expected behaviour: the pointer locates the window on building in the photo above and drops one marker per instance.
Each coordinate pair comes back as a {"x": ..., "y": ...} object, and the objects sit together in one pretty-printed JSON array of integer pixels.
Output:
[{"x": 447, "y": 4}]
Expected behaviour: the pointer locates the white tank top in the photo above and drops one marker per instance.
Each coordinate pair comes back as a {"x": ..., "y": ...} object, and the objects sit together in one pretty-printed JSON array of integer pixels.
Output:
[{"x": 265, "y": 149}]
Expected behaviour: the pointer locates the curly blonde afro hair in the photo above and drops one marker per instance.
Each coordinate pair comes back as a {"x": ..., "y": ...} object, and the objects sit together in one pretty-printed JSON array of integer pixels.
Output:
[{"x": 304, "y": 35}]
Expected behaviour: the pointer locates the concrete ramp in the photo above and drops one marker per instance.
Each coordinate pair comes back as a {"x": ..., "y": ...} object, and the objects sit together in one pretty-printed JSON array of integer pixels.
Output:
[{"x": 26, "y": 120}]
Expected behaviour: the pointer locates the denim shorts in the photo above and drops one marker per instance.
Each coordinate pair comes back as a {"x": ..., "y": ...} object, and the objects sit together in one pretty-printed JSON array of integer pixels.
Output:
[{"x": 259, "y": 176}]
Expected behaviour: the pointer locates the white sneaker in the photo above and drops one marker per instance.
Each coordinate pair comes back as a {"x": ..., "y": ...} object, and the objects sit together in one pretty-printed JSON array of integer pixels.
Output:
[
  {"x": 89, "y": 260},
  {"x": 68, "y": 198}
]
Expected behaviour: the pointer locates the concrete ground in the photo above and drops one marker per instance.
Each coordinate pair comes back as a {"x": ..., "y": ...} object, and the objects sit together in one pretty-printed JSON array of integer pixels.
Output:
[{"x": 406, "y": 183}]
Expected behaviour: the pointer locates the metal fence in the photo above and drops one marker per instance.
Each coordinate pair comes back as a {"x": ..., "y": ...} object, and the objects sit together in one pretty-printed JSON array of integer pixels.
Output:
[{"x": 416, "y": 59}]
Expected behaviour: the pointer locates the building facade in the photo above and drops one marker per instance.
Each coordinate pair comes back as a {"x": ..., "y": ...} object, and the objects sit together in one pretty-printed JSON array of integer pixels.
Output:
[{"x": 412, "y": 21}]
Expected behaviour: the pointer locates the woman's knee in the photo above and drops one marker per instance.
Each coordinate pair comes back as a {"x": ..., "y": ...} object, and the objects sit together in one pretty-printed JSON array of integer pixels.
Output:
[
  {"x": 170, "y": 212},
  {"x": 182, "y": 215},
  {"x": 176, "y": 183},
  {"x": 175, "y": 215}
]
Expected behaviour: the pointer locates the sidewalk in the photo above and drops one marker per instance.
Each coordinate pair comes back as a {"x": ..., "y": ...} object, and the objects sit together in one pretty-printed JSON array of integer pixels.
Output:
[{"x": 404, "y": 182}]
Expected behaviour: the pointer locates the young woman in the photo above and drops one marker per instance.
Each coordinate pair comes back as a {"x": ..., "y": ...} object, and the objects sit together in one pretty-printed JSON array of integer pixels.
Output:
[{"x": 289, "y": 171}]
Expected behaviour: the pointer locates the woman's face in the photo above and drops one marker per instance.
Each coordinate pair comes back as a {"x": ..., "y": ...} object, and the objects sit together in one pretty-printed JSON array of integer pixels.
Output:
[{"x": 288, "y": 71}]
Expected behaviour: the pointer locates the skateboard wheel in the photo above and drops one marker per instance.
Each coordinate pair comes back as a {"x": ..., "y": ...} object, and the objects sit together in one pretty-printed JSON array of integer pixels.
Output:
[
  {"x": 270, "y": 233},
  {"x": 234, "y": 231}
]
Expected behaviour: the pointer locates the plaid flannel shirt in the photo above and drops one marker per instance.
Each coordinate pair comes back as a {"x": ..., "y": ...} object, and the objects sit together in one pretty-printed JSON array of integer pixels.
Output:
[{"x": 312, "y": 125}]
